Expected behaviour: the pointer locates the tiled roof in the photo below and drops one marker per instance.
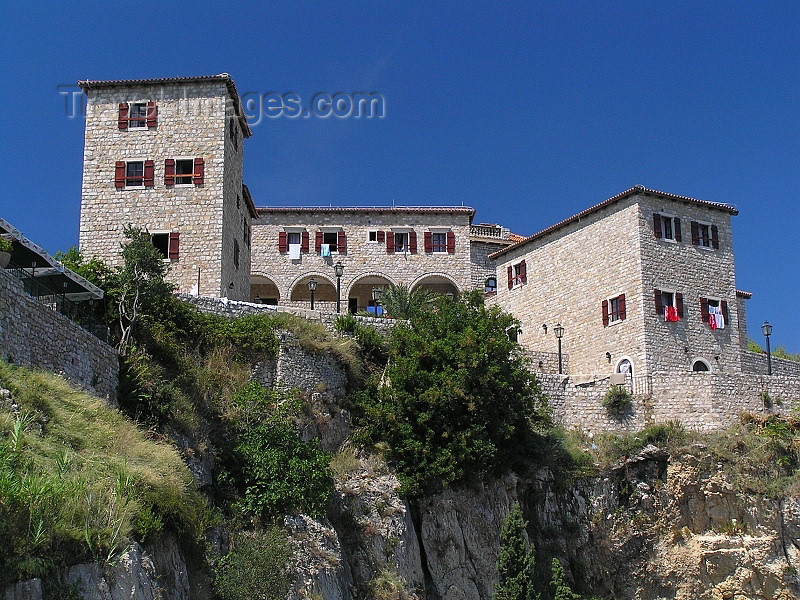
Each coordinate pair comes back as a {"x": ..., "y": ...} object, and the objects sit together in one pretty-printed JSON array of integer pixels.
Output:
[
  {"x": 89, "y": 84},
  {"x": 743, "y": 294},
  {"x": 637, "y": 189},
  {"x": 360, "y": 209}
]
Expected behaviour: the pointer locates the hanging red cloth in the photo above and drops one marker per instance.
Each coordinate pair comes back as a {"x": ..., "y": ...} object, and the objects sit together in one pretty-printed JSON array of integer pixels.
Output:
[{"x": 671, "y": 313}]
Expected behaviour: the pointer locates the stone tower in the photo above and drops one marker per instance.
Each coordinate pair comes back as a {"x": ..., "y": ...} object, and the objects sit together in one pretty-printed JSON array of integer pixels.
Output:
[{"x": 166, "y": 155}]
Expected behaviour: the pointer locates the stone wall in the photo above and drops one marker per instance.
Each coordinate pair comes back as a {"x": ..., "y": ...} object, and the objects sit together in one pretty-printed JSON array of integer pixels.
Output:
[
  {"x": 482, "y": 266},
  {"x": 755, "y": 362},
  {"x": 34, "y": 335}
]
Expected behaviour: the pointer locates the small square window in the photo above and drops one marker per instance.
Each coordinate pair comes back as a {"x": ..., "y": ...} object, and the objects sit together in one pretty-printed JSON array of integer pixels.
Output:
[
  {"x": 490, "y": 286},
  {"x": 519, "y": 274},
  {"x": 134, "y": 173},
  {"x": 704, "y": 235},
  {"x": 184, "y": 171},
  {"x": 372, "y": 236},
  {"x": 331, "y": 239},
  {"x": 439, "y": 241},
  {"x": 161, "y": 243},
  {"x": 137, "y": 115},
  {"x": 614, "y": 309},
  {"x": 293, "y": 238}
]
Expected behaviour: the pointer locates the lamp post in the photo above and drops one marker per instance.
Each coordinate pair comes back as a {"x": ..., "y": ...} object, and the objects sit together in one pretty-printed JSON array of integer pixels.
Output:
[
  {"x": 376, "y": 296},
  {"x": 312, "y": 287},
  {"x": 338, "y": 269},
  {"x": 766, "y": 329},
  {"x": 559, "y": 331}
]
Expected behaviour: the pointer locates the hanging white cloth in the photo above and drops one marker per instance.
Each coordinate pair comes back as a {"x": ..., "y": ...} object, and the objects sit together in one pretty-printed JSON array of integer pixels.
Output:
[
  {"x": 294, "y": 251},
  {"x": 325, "y": 250}
]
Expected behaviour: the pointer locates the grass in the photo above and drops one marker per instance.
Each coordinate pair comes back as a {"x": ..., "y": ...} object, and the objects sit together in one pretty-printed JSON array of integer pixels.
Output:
[{"x": 78, "y": 480}]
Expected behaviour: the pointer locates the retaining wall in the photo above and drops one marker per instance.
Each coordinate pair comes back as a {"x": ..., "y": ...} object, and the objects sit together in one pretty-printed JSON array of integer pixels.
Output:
[{"x": 34, "y": 335}]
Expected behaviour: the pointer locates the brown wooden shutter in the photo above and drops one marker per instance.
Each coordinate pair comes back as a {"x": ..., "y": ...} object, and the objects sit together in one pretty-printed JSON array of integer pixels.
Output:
[
  {"x": 510, "y": 277},
  {"x": 149, "y": 173},
  {"x": 304, "y": 242},
  {"x": 678, "y": 237},
  {"x": 715, "y": 237},
  {"x": 451, "y": 242},
  {"x": 695, "y": 234},
  {"x": 169, "y": 171},
  {"x": 523, "y": 272},
  {"x": 318, "y": 242},
  {"x": 152, "y": 114},
  {"x": 199, "y": 170},
  {"x": 622, "y": 309},
  {"x": 659, "y": 303},
  {"x": 704, "y": 310},
  {"x": 390, "y": 242},
  {"x": 679, "y": 304},
  {"x": 657, "y": 225},
  {"x": 119, "y": 174},
  {"x": 412, "y": 242},
  {"x": 122, "y": 117},
  {"x": 605, "y": 313},
  {"x": 428, "y": 241},
  {"x": 283, "y": 244},
  {"x": 174, "y": 241},
  {"x": 341, "y": 242},
  {"x": 381, "y": 236},
  {"x": 724, "y": 307}
]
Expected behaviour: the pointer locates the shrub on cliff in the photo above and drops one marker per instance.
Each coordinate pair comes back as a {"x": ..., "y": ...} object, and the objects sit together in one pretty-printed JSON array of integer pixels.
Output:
[
  {"x": 516, "y": 561},
  {"x": 455, "y": 398}
]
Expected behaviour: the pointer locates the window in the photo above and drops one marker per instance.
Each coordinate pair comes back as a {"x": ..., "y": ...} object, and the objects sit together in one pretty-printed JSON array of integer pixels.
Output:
[
  {"x": 517, "y": 275},
  {"x": 330, "y": 238},
  {"x": 614, "y": 310},
  {"x": 372, "y": 236},
  {"x": 714, "y": 312},
  {"x": 667, "y": 227},
  {"x": 137, "y": 115},
  {"x": 184, "y": 171},
  {"x": 134, "y": 174},
  {"x": 438, "y": 242},
  {"x": 294, "y": 242},
  {"x": 700, "y": 366},
  {"x": 669, "y": 305},
  {"x": 705, "y": 235},
  {"x": 625, "y": 366},
  {"x": 401, "y": 241},
  {"x": 293, "y": 238},
  {"x": 491, "y": 285},
  {"x": 236, "y": 254},
  {"x": 167, "y": 244},
  {"x": 233, "y": 133}
]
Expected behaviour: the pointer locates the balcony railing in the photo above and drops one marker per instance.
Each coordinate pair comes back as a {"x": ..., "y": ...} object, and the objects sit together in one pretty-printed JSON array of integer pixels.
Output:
[{"x": 484, "y": 231}]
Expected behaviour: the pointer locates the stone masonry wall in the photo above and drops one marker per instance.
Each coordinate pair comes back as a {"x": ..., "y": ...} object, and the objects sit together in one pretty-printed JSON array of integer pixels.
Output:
[
  {"x": 754, "y": 362},
  {"x": 33, "y": 335},
  {"x": 482, "y": 266},
  {"x": 191, "y": 123},
  {"x": 366, "y": 263}
]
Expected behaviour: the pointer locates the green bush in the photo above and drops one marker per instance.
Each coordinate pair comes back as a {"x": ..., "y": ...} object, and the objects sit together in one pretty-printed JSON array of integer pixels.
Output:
[
  {"x": 255, "y": 567},
  {"x": 617, "y": 401},
  {"x": 5, "y": 245}
]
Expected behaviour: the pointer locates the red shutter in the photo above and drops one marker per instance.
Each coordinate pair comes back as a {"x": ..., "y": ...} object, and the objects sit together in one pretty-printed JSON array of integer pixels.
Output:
[
  {"x": 412, "y": 242},
  {"x": 659, "y": 303},
  {"x": 174, "y": 241},
  {"x": 122, "y": 118},
  {"x": 341, "y": 242},
  {"x": 695, "y": 234},
  {"x": 622, "y": 309},
  {"x": 715, "y": 237},
  {"x": 678, "y": 237},
  {"x": 390, "y": 242},
  {"x": 679, "y": 304},
  {"x": 523, "y": 272},
  {"x": 510, "y": 277},
  {"x": 451, "y": 242},
  {"x": 169, "y": 171},
  {"x": 657, "y": 225},
  {"x": 304, "y": 242},
  {"x": 605, "y": 313},
  {"x": 724, "y": 307},
  {"x": 428, "y": 241},
  {"x": 283, "y": 243},
  {"x": 119, "y": 174},
  {"x": 149, "y": 173},
  {"x": 704, "y": 310},
  {"x": 318, "y": 242},
  {"x": 199, "y": 170},
  {"x": 381, "y": 236},
  {"x": 152, "y": 114}
]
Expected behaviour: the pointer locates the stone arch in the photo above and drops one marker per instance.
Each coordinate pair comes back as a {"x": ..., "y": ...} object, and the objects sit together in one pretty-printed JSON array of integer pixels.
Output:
[
  {"x": 324, "y": 294},
  {"x": 263, "y": 289},
  {"x": 701, "y": 365},
  {"x": 622, "y": 363},
  {"x": 441, "y": 283},
  {"x": 358, "y": 294}
]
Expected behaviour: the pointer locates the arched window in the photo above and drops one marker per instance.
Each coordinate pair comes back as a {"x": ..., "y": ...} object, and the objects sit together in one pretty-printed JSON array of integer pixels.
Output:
[
  {"x": 700, "y": 366},
  {"x": 625, "y": 366},
  {"x": 490, "y": 285}
]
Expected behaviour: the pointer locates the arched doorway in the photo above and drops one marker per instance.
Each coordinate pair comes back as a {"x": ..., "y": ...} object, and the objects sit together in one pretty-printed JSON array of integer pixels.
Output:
[
  {"x": 437, "y": 283},
  {"x": 263, "y": 290},
  {"x": 324, "y": 293},
  {"x": 361, "y": 296}
]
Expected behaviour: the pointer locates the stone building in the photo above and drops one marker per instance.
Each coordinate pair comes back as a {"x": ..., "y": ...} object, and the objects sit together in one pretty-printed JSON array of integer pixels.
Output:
[
  {"x": 166, "y": 155},
  {"x": 378, "y": 246},
  {"x": 642, "y": 283}
]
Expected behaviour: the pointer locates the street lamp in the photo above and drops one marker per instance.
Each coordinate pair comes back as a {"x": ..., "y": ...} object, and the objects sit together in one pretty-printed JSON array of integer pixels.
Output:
[
  {"x": 559, "y": 331},
  {"x": 376, "y": 297},
  {"x": 338, "y": 268},
  {"x": 766, "y": 329},
  {"x": 312, "y": 287}
]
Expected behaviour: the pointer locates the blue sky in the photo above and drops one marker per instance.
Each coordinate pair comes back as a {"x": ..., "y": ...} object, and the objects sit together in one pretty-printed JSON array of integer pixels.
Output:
[{"x": 529, "y": 112}]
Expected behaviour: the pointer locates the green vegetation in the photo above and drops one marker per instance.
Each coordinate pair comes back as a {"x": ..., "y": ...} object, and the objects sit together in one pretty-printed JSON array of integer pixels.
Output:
[
  {"x": 78, "y": 480},
  {"x": 617, "y": 401},
  {"x": 372, "y": 344},
  {"x": 455, "y": 398},
  {"x": 255, "y": 567},
  {"x": 401, "y": 303},
  {"x": 5, "y": 245},
  {"x": 779, "y": 352},
  {"x": 516, "y": 562},
  {"x": 559, "y": 588}
]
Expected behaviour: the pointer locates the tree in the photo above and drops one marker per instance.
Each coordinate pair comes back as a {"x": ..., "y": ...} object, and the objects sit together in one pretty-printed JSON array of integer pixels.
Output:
[
  {"x": 456, "y": 397},
  {"x": 516, "y": 561},
  {"x": 561, "y": 591},
  {"x": 402, "y": 303}
]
